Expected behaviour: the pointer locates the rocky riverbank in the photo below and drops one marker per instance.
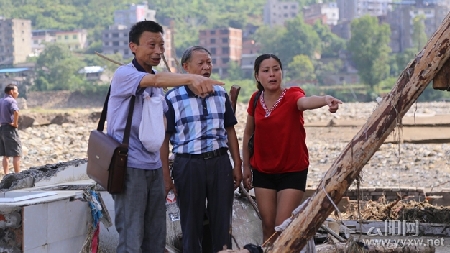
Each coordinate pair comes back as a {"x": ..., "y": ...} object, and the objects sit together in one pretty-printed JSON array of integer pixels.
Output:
[{"x": 420, "y": 165}]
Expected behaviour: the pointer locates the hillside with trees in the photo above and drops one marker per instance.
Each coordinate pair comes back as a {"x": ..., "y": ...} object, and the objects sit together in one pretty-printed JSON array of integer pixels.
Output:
[{"x": 309, "y": 52}]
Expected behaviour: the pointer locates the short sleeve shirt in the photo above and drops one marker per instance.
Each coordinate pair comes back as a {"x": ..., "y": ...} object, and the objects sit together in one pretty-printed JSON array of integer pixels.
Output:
[
  {"x": 279, "y": 137},
  {"x": 7, "y": 107},
  {"x": 198, "y": 125},
  {"x": 124, "y": 84}
]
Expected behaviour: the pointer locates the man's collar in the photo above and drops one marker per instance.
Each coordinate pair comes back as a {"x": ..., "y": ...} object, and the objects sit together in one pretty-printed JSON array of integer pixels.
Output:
[{"x": 139, "y": 67}]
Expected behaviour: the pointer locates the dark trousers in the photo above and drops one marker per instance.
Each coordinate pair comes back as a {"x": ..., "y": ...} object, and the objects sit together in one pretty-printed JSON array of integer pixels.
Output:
[{"x": 196, "y": 181}]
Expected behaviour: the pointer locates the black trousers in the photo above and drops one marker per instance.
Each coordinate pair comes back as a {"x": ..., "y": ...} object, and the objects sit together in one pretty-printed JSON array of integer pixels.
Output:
[{"x": 196, "y": 181}]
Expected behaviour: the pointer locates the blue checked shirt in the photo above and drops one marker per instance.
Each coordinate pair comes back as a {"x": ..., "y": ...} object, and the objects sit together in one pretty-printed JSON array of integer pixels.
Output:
[{"x": 197, "y": 125}]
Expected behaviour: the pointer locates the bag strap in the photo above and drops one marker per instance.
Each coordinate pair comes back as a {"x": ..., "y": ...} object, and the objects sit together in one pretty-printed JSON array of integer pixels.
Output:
[
  {"x": 101, "y": 123},
  {"x": 255, "y": 102}
]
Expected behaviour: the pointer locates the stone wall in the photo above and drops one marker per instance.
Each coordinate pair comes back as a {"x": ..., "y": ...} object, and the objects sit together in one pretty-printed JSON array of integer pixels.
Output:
[{"x": 64, "y": 99}]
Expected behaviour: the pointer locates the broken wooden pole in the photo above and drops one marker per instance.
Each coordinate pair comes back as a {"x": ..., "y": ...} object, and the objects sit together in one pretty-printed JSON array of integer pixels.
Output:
[{"x": 345, "y": 169}]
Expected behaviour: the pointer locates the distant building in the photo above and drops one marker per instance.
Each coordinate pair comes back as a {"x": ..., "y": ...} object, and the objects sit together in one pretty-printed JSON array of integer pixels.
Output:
[
  {"x": 94, "y": 74},
  {"x": 40, "y": 38},
  {"x": 327, "y": 13},
  {"x": 134, "y": 14},
  {"x": 277, "y": 12},
  {"x": 342, "y": 29},
  {"x": 15, "y": 40},
  {"x": 351, "y": 9},
  {"x": 249, "y": 31},
  {"x": 74, "y": 40},
  {"x": 250, "y": 51},
  {"x": 116, "y": 40},
  {"x": 21, "y": 76},
  {"x": 225, "y": 45},
  {"x": 401, "y": 21}
]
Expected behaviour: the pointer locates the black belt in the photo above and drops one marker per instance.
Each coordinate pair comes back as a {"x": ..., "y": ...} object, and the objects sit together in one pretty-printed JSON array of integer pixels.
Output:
[{"x": 206, "y": 155}]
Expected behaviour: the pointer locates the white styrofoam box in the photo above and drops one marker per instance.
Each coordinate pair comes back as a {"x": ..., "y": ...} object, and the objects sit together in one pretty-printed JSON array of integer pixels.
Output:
[
  {"x": 71, "y": 245},
  {"x": 35, "y": 220},
  {"x": 67, "y": 219},
  {"x": 82, "y": 213},
  {"x": 41, "y": 249},
  {"x": 57, "y": 230}
]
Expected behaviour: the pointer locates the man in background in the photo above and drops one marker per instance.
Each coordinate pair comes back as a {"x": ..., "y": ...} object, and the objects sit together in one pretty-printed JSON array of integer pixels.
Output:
[{"x": 10, "y": 145}]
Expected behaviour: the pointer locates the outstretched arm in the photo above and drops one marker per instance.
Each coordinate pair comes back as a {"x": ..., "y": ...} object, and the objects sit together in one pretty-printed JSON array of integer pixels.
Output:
[
  {"x": 200, "y": 85},
  {"x": 314, "y": 102}
]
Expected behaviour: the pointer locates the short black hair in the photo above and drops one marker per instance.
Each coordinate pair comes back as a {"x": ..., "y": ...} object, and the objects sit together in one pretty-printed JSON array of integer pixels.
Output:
[
  {"x": 188, "y": 53},
  {"x": 9, "y": 88},
  {"x": 143, "y": 26},
  {"x": 257, "y": 64}
]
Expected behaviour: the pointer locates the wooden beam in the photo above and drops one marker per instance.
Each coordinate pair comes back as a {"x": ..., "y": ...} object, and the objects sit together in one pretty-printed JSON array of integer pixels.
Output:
[{"x": 388, "y": 114}]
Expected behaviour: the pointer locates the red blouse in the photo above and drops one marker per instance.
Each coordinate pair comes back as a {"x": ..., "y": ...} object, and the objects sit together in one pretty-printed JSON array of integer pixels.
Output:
[{"x": 279, "y": 138}]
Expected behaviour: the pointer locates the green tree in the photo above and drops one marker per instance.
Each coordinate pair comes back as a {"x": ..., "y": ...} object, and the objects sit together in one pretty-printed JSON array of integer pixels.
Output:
[
  {"x": 369, "y": 49},
  {"x": 331, "y": 44},
  {"x": 296, "y": 38},
  {"x": 300, "y": 38},
  {"x": 270, "y": 39},
  {"x": 400, "y": 61},
  {"x": 419, "y": 37},
  {"x": 322, "y": 69},
  {"x": 234, "y": 71},
  {"x": 57, "y": 69},
  {"x": 301, "y": 68}
]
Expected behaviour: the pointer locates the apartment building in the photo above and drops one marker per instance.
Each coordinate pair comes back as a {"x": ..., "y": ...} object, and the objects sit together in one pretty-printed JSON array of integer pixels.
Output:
[
  {"x": 277, "y": 12},
  {"x": 40, "y": 38},
  {"x": 134, "y": 14},
  {"x": 250, "y": 51},
  {"x": 15, "y": 40},
  {"x": 327, "y": 13},
  {"x": 74, "y": 40},
  {"x": 225, "y": 45},
  {"x": 401, "y": 21},
  {"x": 351, "y": 9},
  {"x": 116, "y": 40}
]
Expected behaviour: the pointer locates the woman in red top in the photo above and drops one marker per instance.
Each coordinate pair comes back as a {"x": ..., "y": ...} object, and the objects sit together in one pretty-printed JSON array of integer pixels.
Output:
[{"x": 279, "y": 165}]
